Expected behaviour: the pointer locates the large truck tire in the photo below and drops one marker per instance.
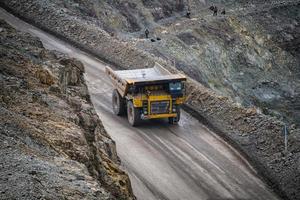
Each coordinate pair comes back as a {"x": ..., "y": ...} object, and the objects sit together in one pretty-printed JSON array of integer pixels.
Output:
[
  {"x": 118, "y": 103},
  {"x": 175, "y": 120},
  {"x": 133, "y": 114}
]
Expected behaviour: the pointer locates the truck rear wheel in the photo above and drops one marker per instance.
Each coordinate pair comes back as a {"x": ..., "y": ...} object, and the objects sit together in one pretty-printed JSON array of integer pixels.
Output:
[
  {"x": 118, "y": 103},
  {"x": 133, "y": 114},
  {"x": 175, "y": 120}
]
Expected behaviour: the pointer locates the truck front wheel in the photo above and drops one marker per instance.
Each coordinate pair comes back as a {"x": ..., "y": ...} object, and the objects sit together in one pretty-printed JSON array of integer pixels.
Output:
[
  {"x": 175, "y": 120},
  {"x": 133, "y": 114},
  {"x": 118, "y": 103}
]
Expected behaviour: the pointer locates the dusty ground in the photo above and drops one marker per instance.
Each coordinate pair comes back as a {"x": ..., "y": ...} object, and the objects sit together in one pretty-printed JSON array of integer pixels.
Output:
[
  {"x": 52, "y": 144},
  {"x": 250, "y": 55}
]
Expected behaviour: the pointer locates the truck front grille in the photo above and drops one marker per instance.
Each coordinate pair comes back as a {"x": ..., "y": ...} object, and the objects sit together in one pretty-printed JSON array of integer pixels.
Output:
[{"x": 160, "y": 107}]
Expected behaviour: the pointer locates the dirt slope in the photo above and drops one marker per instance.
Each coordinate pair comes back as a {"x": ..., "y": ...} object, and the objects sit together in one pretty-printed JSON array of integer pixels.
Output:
[
  {"x": 52, "y": 143},
  {"x": 250, "y": 55}
]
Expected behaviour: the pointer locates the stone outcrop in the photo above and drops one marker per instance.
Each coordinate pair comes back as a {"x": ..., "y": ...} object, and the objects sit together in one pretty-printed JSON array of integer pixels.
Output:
[{"x": 52, "y": 143}]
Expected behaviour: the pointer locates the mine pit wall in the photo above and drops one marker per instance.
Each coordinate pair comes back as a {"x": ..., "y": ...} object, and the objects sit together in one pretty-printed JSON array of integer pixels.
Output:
[
  {"x": 257, "y": 136},
  {"x": 60, "y": 82}
]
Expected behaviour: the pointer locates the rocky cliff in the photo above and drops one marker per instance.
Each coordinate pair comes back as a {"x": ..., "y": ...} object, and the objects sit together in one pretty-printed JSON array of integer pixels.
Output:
[{"x": 52, "y": 143}]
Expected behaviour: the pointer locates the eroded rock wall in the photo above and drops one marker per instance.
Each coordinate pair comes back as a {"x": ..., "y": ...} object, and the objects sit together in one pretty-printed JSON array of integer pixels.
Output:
[{"x": 52, "y": 143}]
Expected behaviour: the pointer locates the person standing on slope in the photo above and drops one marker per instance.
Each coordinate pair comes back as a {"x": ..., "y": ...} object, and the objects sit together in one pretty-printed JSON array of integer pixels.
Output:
[{"x": 147, "y": 33}]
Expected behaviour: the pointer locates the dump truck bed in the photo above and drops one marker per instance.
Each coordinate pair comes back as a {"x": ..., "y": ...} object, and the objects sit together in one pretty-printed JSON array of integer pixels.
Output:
[{"x": 155, "y": 75}]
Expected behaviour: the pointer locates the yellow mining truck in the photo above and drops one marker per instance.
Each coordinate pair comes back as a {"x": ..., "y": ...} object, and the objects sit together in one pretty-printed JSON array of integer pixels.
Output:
[{"x": 147, "y": 93}]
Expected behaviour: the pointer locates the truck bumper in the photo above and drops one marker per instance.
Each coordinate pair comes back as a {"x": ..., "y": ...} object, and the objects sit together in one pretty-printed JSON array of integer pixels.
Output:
[{"x": 157, "y": 116}]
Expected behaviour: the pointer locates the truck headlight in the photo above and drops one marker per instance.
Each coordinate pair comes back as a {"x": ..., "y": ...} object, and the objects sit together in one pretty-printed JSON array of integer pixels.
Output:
[
  {"x": 174, "y": 109},
  {"x": 145, "y": 112}
]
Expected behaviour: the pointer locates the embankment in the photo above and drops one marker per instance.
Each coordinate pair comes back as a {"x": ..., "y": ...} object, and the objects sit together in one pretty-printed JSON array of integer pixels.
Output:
[{"x": 52, "y": 143}]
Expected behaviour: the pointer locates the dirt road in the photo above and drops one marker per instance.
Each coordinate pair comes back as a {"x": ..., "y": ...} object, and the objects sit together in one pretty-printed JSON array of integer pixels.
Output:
[{"x": 183, "y": 162}]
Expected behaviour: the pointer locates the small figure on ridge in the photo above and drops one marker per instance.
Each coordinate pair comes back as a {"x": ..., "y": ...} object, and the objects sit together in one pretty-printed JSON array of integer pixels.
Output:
[{"x": 147, "y": 33}]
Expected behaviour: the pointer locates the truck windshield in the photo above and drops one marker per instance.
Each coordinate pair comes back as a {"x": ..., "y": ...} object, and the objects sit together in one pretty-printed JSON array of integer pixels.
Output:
[{"x": 175, "y": 87}]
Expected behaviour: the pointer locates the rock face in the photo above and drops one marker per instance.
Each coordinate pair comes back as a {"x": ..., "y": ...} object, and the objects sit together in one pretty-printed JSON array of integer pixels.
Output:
[
  {"x": 250, "y": 55},
  {"x": 251, "y": 58},
  {"x": 52, "y": 143}
]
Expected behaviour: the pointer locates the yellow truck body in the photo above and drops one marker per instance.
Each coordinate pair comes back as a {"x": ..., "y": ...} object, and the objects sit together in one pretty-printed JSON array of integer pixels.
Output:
[{"x": 152, "y": 93}]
